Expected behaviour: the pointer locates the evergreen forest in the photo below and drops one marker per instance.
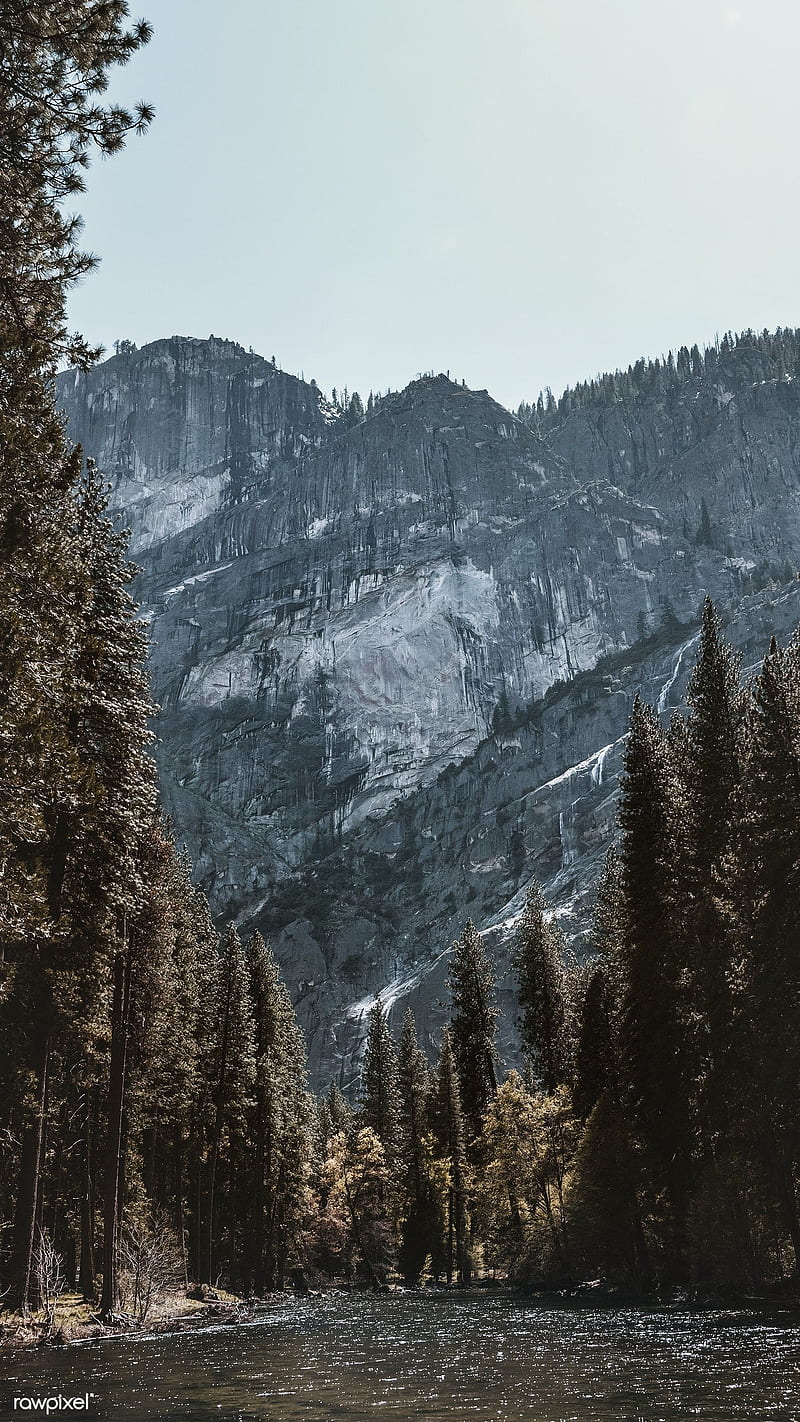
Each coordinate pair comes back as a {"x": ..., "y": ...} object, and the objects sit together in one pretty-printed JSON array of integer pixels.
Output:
[{"x": 156, "y": 1123}]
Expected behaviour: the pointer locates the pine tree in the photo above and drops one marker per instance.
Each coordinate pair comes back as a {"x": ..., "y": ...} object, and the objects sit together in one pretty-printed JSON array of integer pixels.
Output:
[
  {"x": 170, "y": 943},
  {"x": 341, "y": 1114},
  {"x": 546, "y": 1035},
  {"x": 117, "y": 780},
  {"x": 714, "y": 728},
  {"x": 53, "y": 67},
  {"x": 232, "y": 1074},
  {"x": 97, "y": 804},
  {"x": 603, "y": 1207},
  {"x": 448, "y": 1121},
  {"x": 379, "y": 1091},
  {"x": 473, "y": 1025},
  {"x": 712, "y": 756},
  {"x": 767, "y": 1030},
  {"x": 651, "y": 1030},
  {"x": 49, "y": 123},
  {"x": 603, "y": 1197},
  {"x": 420, "y": 1216},
  {"x": 279, "y": 1134},
  {"x": 596, "y": 1067}
]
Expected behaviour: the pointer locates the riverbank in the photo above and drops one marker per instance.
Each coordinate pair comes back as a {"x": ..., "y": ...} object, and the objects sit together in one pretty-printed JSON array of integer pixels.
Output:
[{"x": 76, "y": 1321}]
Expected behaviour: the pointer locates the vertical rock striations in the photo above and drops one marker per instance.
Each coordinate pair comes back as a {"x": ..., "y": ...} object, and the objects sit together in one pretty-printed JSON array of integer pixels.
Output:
[{"x": 396, "y": 652}]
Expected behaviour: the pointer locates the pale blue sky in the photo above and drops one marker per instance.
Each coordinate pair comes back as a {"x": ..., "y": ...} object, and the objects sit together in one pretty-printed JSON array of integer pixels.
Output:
[{"x": 521, "y": 191}]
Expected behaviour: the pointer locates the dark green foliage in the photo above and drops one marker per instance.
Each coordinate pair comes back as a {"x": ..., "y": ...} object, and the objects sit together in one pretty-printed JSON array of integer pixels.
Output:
[
  {"x": 54, "y": 62},
  {"x": 688, "y": 1036},
  {"x": 231, "y": 1067},
  {"x": 608, "y": 1235},
  {"x": 73, "y": 701},
  {"x": 473, "y": 1025},
  {"x": 144, "y": 1074},
  {"x": 595, "y": 1053},
  {"x": 448, "y": 1125},
  {"x": 341, "y": 1115},
  {"x": 546, "y": 1028},
  {"x": 767, "y": 1023},
  {"x": 714, "y": 727},
  {"x": 737, "y": 362},
  {"x": 380, "y": 1104},
  {"x": 649, "y": 817},
  {"x": 709, "y": 756},
  {"x": 279, "y": 1134},
  {"x": 421, "y": 1222}
]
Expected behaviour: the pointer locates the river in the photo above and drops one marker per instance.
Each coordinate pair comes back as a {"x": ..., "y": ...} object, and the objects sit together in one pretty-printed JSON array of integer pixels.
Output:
[{"x": 433, "y": 1356}]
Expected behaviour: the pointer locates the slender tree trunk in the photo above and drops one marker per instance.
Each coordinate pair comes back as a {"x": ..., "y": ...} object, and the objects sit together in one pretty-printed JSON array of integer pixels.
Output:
[
  {"x": 30, "y": 1171},
  {"x": 116, "y": 1104},
  {"x": 211, "y": 1200},
  {"x": 180, "y": 1221},
  {"x": 86, "y": 1279},
  {"x": 450, "y": 1232},
  {"x": 257, "y": 1217},
  {"x": 199, "y": 1271},
  {"x": 276, "y": 1219},
  {"x": 234, "y": 1188},
  {"x": 218, "y": 1118},
  {"x": 54, "y": 1214}
]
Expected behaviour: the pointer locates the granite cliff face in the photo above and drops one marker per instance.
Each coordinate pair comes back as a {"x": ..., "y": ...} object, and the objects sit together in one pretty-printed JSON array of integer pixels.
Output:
[{"x": 396, "y": 652}]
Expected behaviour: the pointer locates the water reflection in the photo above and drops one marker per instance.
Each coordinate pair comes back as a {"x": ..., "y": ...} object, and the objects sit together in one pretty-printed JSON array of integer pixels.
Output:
[{"x": 487, "y": 1359}]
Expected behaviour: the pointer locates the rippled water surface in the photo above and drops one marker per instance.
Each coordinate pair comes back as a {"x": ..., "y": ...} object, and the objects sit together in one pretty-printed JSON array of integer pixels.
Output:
[{"x": 408, "y": 1356}]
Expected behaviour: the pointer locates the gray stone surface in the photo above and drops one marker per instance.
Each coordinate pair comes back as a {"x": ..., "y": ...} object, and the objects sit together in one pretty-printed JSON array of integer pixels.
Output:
[{"x": 338, "y": 606}]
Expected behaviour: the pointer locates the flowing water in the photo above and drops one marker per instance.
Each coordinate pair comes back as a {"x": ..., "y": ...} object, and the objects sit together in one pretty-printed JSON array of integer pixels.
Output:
[{"x": 433, "y": 1356}]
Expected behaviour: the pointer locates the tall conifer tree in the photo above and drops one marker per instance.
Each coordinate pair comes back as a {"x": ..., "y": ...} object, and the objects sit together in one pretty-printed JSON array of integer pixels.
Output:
[
  {"x": 280, "y": 1129},
  {"x": 546, "y": 1027},
  {"x": 380, "y": 1105},
  {"x": 768, "y": 893},
  {"x": 473, "y": 1025},
  {"x": 420, "y": 1215},
  {"x": 232, "y": 1068},
  {"x": 449, "y": 1130},
  {"x": 714, "y": 748},
  {"x": 54, "y": 61},
  {"x": 651, "y": 1025}
]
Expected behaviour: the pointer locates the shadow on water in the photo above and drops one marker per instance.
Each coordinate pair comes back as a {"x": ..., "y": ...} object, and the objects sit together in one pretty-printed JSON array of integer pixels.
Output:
[{"x": 416, "y": 1356}]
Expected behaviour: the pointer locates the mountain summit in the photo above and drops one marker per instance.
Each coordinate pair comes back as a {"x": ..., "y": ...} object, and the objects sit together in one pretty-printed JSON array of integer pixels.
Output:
[{"x": 396, "y": 649}]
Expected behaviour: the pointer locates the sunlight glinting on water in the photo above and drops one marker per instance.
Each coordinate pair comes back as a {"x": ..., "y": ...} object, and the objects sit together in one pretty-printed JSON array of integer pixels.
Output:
[{"x": 441, "y": 1356}]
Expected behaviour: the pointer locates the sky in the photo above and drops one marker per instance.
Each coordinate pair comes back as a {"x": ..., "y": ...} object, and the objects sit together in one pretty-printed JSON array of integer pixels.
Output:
[{"x": 522, "y": 192}]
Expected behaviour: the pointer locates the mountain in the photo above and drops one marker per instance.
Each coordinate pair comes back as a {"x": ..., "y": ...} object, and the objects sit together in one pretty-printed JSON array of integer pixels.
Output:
[{"x": 396, "y": 650}]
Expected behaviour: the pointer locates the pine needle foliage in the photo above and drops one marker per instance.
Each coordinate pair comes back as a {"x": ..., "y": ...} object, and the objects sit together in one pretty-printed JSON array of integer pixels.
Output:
[{"x": 473, "y": 1025}]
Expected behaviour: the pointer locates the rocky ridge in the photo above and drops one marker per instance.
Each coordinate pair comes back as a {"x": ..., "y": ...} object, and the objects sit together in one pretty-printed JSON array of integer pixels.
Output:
[{"x": 396, "y": 652}]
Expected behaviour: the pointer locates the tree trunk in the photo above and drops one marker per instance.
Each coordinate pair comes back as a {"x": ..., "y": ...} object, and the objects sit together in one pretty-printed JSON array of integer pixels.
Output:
[
  {"x": 210, "y": 1203},
  {"x": 30, "y": 1171},
  {"x": 86, "y": 1279},
  {"x": 116, "y": 1102},
  {"x": 180, "y": 1222},
  {"x": 257, "y": 1217},
  {"x": 450, "y": 1232}
]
